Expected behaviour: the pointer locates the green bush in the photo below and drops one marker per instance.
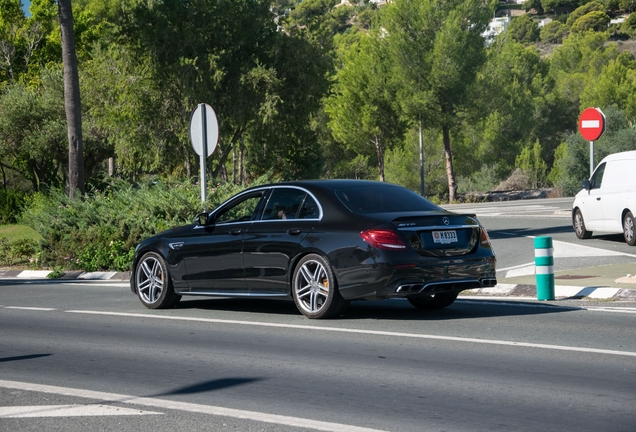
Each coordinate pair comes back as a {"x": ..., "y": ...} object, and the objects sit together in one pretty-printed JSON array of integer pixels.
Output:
[
  {"x": 56, "y": 273},
  {"x": 5, "y": 251},
  {"x": 553, "y": 32},
  {"x": 101, "y": 231},
  {"x": 485, "y": 179},
  {"x": 11, "y": 204},
  {"x": 18, "y": 251}
]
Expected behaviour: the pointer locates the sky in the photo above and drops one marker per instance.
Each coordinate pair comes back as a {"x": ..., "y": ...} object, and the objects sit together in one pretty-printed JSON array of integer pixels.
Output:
[{"x": 25, "y": 7}]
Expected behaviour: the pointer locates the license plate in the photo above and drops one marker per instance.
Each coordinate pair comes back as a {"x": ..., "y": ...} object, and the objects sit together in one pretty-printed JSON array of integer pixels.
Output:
[{"x": 445, "y": 237}]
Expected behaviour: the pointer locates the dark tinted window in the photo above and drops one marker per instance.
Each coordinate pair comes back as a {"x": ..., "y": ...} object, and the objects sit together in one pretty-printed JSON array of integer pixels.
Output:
[
  {"x": 597, "y": 178},
  {"x": 284, "y": 203},
  {"x": 309, "y": 209},
  {"x": 378, "y": 199},
  {"x": 241, "y": 210}
]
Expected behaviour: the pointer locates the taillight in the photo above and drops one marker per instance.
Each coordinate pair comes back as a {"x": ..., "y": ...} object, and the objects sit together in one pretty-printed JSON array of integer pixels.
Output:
[
  {"x": 485, "y": 238},
  {"x": 383, "y": 239}
]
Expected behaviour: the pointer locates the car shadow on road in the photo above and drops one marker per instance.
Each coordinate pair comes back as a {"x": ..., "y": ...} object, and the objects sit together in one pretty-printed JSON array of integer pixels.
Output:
[
  {"x": 209, "y": 386},
  {"x": 398, "y": 310},
  {"x": 614, "y": 238},
  {"x": 265, "y": 306}
]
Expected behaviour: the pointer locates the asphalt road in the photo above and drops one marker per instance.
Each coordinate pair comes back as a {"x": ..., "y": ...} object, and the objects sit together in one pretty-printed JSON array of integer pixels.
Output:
[
  {"x": 513, "y": 225},
  {"x": 87, "y": 356}
]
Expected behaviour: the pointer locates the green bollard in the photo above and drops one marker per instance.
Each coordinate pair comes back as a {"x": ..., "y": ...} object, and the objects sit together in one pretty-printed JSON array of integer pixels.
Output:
[{"x": 544, "y": 264}]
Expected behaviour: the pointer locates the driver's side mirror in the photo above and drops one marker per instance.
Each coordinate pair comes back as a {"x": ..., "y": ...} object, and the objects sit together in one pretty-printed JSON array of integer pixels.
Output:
[
  {"x": 202, "y": 219},
  {"x": 585, "y": 184}
]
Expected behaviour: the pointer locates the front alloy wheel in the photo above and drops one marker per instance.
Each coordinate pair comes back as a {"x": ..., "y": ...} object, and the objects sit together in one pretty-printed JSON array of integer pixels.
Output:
[
  {"x": 153, "y": 284},
  {"x": 628, "y": 229},
  {"x": 314, "y": 288}
]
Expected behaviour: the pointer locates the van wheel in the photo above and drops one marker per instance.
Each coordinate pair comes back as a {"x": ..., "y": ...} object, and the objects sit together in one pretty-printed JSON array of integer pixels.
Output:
[
  {"x": 579, "y": 226},
  {"x": 628, "y": 229}
]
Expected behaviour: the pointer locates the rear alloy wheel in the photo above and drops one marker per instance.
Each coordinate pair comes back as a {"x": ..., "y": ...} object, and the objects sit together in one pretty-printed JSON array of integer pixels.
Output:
[
  {"x": 434, "y": 302},
  {"x": 153, "y": 283},
  {"x": 628, "y": 229},
  {"x": 579, "y": 226},
  {"x": 314, "y": 288}
]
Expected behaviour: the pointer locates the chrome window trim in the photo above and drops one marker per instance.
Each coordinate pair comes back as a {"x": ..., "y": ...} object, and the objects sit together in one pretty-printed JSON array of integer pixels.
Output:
[
  {"x": 236, "y": 197},
  {"x": 266, "y": 188}
]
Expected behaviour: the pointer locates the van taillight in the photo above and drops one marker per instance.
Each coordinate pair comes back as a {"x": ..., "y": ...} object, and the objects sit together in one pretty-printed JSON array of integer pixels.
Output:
[{"x": 383, "y": 239}]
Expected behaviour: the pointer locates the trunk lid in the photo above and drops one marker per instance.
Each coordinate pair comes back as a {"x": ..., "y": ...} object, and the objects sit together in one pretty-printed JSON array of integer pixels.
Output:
[{"x": 440, "y": 234}]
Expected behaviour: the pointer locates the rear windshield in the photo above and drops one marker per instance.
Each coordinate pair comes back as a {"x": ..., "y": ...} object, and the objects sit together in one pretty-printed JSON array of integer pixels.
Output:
[{"x": 380, "y": 199}]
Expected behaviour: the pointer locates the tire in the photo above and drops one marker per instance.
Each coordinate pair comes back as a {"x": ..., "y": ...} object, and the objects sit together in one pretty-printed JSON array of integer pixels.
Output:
[
  {"x": 628, "y": 229},
  {"x": 153, "y": 284},
  {"x": 434, "y": 302},
  {"x": 315, "y": 290},
  {"x": 579, "y": 226}
]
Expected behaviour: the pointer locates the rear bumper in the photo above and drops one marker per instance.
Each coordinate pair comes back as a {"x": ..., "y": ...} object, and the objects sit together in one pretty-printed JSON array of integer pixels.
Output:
[{"x": 380, "y": 281}]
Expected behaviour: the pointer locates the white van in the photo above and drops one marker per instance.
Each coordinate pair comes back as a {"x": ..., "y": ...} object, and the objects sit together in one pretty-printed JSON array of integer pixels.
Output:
[{"x": 607, "y": 202}]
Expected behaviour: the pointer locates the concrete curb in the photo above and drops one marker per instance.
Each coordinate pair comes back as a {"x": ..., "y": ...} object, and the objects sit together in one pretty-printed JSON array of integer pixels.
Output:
[
  {"x": 69, "y": 275},
  {"x": 560, "y": 292}
]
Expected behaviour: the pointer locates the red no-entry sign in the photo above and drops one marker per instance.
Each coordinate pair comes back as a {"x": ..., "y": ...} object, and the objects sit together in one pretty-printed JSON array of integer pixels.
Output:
[{"x": 592, "y": 124}]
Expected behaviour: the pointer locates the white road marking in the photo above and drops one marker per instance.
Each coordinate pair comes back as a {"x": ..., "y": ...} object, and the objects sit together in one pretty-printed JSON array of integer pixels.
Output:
[
  {"x": 30, "y": 308},
  {"x": 69, "y": 411},
  {"x": 506, "y": 301},
  {"x": 369, "y": 332},
  {"x": 520, "y": 266},
  {"x": 189, "y": 407},
  {"x": 613, "y": 310},
  {"x": 512, "y": 210},
  {"x": 518, "y": 270},
  {"x": 523, "y": 271},
  {"x": 572, "y": 250}
]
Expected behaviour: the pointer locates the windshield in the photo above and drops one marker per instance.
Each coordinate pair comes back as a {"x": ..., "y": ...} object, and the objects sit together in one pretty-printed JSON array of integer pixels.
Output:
[{"x": 383, "y": 198}]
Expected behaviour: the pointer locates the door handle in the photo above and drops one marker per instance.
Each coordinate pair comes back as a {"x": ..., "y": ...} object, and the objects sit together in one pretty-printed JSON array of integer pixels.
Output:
[
  {"x": 294, "y": 231},
  {"x": 236, "y": 231},
  {"x": 598, "y": 198}
]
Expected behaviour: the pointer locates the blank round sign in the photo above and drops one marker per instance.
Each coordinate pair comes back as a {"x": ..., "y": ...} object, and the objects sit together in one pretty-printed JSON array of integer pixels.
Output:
[
  {"x": 592, "y": 124},
  {"x": 196, "y": 129}
]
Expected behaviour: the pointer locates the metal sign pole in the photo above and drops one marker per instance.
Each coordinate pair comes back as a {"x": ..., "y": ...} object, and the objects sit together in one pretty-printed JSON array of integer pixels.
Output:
[
  {"x": 421, "y": 162},
  {"x": 591, "y": 158},
  {"x": 204, "y": 155},
  {"x": 204, "y": 137}
]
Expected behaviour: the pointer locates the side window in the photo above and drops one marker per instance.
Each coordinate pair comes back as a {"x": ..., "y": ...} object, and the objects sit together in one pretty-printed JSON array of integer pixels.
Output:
[
  {"x": 309, "y": 209},
  {"x": 240, "y": 211},
  {"x": 597, "y": 178},
  {"x": 284, "y": 203}
]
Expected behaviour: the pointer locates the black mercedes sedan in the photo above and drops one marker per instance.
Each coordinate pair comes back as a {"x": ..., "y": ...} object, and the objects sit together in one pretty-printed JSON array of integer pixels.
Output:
[{"x": 322, "y": 243}]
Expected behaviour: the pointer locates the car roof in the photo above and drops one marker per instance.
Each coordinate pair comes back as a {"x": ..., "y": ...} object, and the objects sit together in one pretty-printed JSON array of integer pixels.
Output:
[{"x": 332, "y": 184}]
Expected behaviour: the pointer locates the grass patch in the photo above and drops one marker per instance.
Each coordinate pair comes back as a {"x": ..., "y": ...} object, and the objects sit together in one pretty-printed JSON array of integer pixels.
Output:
[{"x": 19, "y": 232}]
